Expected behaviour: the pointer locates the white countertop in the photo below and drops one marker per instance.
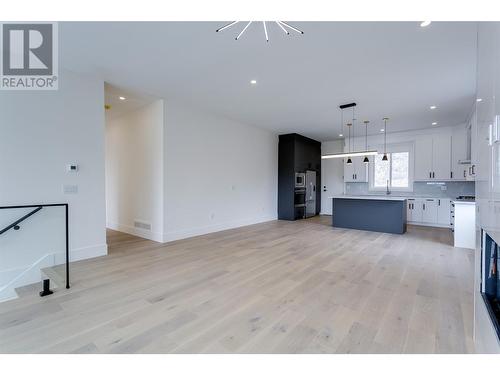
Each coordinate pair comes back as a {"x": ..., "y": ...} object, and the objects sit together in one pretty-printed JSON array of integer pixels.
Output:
[
  {"x": 464, "y": 202},
  {"x": 370, "y": 197}
]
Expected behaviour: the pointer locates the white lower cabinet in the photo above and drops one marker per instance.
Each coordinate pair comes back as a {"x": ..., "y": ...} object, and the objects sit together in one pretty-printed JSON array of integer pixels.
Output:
[
  {"x": 414, "y": 210},
  {"x": 444, "y": 212},
  {"x": 429, "y": 211}
]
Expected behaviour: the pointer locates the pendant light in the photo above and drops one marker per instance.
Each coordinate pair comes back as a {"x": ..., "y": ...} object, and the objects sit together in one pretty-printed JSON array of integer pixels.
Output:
[
  {"x": 350, "y": 153},
  {"x": 366, "y": 160},
  {"x": 384, "y": 158},
  {"x": 349, "y": 161}
]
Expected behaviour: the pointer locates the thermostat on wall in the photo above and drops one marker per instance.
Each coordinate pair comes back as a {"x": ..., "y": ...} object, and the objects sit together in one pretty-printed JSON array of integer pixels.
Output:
[{"x": 72, "y": 167}]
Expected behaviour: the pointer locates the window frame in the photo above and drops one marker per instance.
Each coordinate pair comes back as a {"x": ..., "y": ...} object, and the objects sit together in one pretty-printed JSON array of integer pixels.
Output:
[{"x": 392, "y": 148}]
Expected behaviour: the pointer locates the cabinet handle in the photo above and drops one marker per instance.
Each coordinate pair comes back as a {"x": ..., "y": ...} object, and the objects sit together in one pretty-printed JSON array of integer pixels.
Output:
[
  {"x": 424, "y": 206},
  {"x": 473, "y": 173},
  {"x": 430, "y": 174},
  {"x": 433, "y": 175},
  {"x": 464, "y": 173},
  {"x": 451, "y": 174},
  {"x": 439, "y": 202},
  {"x": 356, "y": 176},
  {"x": 353, "y": 176}
]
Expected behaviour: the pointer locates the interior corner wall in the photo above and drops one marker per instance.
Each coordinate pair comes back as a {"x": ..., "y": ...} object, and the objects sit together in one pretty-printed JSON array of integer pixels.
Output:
[
  {"x": 41, "y": 133},
  {"x": 134, "y": 172},
  {"x": 219, "y": 174}
]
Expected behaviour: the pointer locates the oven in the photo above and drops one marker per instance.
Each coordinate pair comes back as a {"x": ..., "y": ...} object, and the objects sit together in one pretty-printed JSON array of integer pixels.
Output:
[
  {"x": 299, "y": 201},
  {"x": 300, "y": 180}
]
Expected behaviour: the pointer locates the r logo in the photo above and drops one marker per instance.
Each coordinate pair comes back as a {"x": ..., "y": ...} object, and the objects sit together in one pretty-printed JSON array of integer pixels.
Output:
[
  {"x": 29, "y": 56},
  {"x": 27, "y": 49}
]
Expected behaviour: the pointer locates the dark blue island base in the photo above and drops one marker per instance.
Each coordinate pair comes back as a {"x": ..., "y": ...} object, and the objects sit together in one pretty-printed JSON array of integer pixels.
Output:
[{"x": 377, "y": 215}]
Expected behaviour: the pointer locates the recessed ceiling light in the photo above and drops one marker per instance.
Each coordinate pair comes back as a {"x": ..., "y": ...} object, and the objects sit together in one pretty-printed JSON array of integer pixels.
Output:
[
  {"x": 382, "y": 130},
  {"x": 479, "y": 100},
  {"x": 425, "y": 23},
  {"x": 432, "y": 107},
  {"x": 434, "y": 123},
  {"x": 253, "y": 82},
  {"x": 341, "y": 135},
  {"x": 122, "y": 98}
]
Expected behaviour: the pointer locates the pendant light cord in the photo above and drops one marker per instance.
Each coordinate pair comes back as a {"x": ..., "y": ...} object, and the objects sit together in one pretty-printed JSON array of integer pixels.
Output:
[
  {"x": 366, "y": 136},
  {"x": 352, "y": 129},
  {"x": 385, "y": 136},
  {"x": 349, "y": 138},
  {"x": 342, "y": 122}
]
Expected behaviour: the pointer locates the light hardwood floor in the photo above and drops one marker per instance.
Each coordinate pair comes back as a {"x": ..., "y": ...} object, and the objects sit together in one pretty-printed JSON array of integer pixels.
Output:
[{"x": 277, "y": 287}]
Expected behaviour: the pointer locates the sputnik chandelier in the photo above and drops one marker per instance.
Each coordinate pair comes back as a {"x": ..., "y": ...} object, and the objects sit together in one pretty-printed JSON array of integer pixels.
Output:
[{"x": 283, "y": 26}]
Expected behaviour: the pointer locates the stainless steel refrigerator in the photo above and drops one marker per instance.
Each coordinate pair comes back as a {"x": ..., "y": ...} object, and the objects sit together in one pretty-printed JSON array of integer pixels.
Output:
[{"x": 310, "y": 193}]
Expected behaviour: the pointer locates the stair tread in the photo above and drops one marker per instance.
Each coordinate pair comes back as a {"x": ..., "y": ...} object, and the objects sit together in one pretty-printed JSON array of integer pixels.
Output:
[
  {"x": 29, "y": 289},
  {"x": 57, "y": 280}
]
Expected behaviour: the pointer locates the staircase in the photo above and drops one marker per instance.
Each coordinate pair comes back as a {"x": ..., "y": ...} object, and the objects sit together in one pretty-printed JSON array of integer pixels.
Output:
[
  {"x": 54, "y": 274},
  {"x": 24, "y": 261}
]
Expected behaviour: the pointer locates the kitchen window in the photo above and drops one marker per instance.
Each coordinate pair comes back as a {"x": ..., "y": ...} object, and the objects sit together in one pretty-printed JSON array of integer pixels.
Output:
[{"x": 394, "y": 172}]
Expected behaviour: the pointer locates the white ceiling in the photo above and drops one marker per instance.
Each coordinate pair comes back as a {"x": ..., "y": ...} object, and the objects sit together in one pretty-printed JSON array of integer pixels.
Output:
[
  {"x": 133, "y": 100},
  {"x": 394, "y": 69}
]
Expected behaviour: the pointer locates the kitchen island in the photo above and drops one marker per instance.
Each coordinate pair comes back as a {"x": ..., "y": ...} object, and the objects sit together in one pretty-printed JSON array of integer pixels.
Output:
[{"x": 370, "y": 212}]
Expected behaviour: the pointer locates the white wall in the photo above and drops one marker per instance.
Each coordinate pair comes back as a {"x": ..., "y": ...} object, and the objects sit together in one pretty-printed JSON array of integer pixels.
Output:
[
  {"x": 134, "y": 171},
  {"x": 332, "y": 174},
  {"x": 41, "y": 132},
  {"x": 220, "y": 174}
]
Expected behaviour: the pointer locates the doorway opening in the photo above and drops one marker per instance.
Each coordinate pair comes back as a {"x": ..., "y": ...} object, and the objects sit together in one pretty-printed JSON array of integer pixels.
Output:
[{"x": 134, "y": 164}]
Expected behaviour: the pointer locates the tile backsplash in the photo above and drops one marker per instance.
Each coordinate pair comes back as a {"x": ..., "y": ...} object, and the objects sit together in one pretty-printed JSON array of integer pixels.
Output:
[{"x": 425, "y": 189}]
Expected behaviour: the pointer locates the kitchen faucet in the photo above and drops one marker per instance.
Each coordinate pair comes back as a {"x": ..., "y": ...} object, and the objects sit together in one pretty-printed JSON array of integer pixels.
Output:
[{"x": 387, "y": 189}]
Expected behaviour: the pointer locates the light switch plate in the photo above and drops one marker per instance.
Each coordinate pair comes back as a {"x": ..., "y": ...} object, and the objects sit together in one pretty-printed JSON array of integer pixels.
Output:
[{"x": 70, "y": 189}]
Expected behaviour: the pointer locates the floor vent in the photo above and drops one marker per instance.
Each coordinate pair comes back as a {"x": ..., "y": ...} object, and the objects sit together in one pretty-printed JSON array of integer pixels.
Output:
[{"x": 142, "y": 225}]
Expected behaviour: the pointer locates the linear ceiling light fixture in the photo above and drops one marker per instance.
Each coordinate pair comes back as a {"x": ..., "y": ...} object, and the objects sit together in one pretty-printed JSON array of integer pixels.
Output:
[
  {"x": 283, "y": 26},
  {"x": 350, "y": 153}
]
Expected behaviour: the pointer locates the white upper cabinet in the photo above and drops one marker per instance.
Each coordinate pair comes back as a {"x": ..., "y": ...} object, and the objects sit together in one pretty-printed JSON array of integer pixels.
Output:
[
  {"x": 357, "y": 171},
  {"x": 348, "y": 172},
  {"x": 459, "y": 154},
  {"x": 433, "y": 157},
  {"x": 361, "y": 169},
  {"x": 423, "y": 158},
  {"x": 441, "y": 157}
]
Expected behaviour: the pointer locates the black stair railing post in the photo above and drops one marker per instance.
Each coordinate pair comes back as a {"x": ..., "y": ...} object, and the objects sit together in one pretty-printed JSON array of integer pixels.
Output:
[{"x": 67, "y": 247}]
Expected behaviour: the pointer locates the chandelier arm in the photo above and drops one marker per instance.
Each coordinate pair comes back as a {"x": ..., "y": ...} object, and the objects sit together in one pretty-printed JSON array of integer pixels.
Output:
[
  {"x": 227, "y": 26},
  {"x": 242, "y": 31},
  {"x": 265, "y": 31},
  {"x": 282, "y": 28},
  {"x": 291, "y": 27}
]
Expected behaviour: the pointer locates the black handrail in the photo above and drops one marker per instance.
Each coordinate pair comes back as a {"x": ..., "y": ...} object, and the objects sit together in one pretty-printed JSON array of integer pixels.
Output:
[
  {"x": 38, "y": 208},
  {"x": 16, "y": 223}
]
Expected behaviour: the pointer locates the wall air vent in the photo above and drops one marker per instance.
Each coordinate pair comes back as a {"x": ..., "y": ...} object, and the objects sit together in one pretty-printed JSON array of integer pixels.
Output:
[{"x": 142, "y": 225}]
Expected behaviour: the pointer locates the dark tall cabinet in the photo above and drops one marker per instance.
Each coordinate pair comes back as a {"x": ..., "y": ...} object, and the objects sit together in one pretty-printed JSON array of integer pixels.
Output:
[{"x": 296, "y": 154}]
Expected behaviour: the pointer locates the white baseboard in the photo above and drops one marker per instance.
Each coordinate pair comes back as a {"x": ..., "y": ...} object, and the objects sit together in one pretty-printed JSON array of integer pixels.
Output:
[
  {"x": 198, "y": 231},
  {"x": 149, "y": 235},
  {"x": 428, "y": 225}
]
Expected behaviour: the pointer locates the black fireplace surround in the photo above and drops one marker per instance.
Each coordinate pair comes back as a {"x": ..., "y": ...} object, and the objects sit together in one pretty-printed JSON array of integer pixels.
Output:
[{"x": 490, "y": 278}]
